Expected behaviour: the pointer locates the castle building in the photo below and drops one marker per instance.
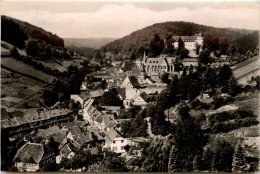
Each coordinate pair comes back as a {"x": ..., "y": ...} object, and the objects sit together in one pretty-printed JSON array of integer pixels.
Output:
[
  {"x": 190, "y": 42},
  {"x": 158, "y": 65}
]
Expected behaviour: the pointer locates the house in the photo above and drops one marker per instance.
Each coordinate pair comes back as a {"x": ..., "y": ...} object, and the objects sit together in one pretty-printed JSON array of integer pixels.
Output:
[
  {"x": 187, "y": 62},
  {"x": 112, "y": 109},
  {"x": 130, "y": 82},
  {"x": 129, "y": 95},
  {"x": 135, "y": 97},
  {"x": 116, "y": 143},
  {"x": 32, "y": 156},
  {"x": 84, "y": 86},
  {"x": 81, "y": 98},
  {"x": 65, "y": 152},
  {"x": 4, "y": 114},
  {"x": 159, "y": 64},
  {"x": 190, "y": 42},
  {"x": 31, "y": 120},
  {"x": 105, "y": 122},
  {"x": 140, "y": 100},
  {"x": 121, "y": 93},
  {"x": 117, "y": 63},
  {"x": 219, "y": 64}
]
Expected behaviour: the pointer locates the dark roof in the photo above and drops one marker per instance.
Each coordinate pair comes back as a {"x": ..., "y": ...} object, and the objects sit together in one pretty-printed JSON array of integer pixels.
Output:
[
  {"x": 111, "y": 108},
  {"x": 65, "y": 150},
  {"x": 59, "y": 138},
  {"x": 144, "y": 96},
  {"x": 134, "y": 81},
  {"x": 121, "y": 91},
  {"x": 75, "y": 130},
  {"x": 136, "y": 71},
  {"x": 29, "y": 153},
  {"x": 4, "y": 114}
]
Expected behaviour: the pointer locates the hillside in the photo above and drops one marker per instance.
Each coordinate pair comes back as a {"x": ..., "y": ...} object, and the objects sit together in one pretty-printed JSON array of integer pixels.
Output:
[
  {"x": 245, "y": 70},
  {"x": 139, "y": 40},
  {"x": 16, "y": 32},
  {"x": 94, "y": 43}
]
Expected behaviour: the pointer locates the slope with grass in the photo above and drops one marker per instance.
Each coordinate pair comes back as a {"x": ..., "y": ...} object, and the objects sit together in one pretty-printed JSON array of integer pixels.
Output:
[
  {"x": 24, "y": 69},
  {"x": 247, "y": 69}
]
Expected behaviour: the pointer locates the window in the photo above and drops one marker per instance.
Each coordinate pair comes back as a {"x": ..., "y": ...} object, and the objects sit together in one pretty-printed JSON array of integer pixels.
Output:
[
  {"x": 122, "y": 147},
  {"x": 114, "y": 148},
  {"x": 114, "y": 142},
  {"x": 122, "y": 141}
]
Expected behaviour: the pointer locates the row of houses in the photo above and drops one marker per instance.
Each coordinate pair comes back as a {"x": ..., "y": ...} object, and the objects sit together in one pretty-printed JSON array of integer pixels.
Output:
[{"x": 32, "y": 119}]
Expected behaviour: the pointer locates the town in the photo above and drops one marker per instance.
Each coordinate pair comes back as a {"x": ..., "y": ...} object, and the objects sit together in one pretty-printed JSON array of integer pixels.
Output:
[{"x": 184, "y": 103}]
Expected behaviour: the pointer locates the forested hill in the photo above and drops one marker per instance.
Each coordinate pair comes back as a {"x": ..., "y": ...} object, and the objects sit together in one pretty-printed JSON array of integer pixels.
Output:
[
  {"x": 138, "y": 41},
  {"x": 16, "y": 32}
]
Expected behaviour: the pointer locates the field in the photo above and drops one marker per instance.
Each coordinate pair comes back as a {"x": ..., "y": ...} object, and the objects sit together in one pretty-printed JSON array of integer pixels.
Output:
[
  {"x": 250, "y": 103},
  {"x": 246, "y": 67},
  {"x": 53, "y": 65},
  {"x": 17, "y": 89},
  {"x": 22, "y": 68}
]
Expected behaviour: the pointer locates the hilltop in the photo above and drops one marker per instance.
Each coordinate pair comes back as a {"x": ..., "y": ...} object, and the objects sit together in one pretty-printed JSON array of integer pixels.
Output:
[
  {"x": 138, "y": 41},
  {"x": 16, "y": 32}
]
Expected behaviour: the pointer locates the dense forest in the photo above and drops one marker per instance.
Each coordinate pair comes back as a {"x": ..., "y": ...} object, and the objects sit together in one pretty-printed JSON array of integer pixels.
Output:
[
  {"x": 16, "y": 32},
  {"x": 138, "y": 41}
]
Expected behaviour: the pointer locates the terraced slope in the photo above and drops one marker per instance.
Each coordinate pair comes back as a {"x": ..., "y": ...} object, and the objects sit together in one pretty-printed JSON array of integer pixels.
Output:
[{"x": 247, "y": 69}]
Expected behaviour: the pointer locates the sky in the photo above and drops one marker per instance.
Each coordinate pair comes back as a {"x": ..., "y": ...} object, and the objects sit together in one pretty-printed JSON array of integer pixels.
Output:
[{"x": 82, "y": 19}]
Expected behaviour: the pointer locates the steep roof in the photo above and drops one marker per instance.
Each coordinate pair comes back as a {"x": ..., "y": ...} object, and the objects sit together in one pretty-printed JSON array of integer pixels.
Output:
[
  {"x": 133, "y": 80},
  {"x": 75, "y": 130},
  {"x": 121, "y": 91},
  {"x": 112, "y": 134},
  {"x": 4, "y": 114},
  {"x": 96, "y": 93},
  {"x": 66, "y": 150},
  {"x": 49, "y": 132},
  {"x": 30, "y": 153},
  {"x": 136, "y": 71},
  {"x": 144, "y": 96},
  {"x": 59, "y": 138}
]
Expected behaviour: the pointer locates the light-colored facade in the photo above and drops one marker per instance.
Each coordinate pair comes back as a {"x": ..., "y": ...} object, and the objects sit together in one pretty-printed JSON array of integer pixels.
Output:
[
  {"x": 187, "y": 62},
  {"x": 190, "y": 42},
  {"x": 118, "y": 144}
]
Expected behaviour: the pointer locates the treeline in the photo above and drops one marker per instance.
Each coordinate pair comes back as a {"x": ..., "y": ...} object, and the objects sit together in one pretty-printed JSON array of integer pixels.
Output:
[
  {"x": 16, "y": 32},
  {"x": 139, "y": 41},
  {"x": 41, "y": 50}
]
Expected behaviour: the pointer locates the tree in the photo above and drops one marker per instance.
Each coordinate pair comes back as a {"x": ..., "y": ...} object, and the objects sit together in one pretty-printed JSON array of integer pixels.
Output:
[
  {"x": 224, "y": 74},
  {"x": 114, "y": 163},
  {"x": 197, "y": 163},
  {"x": 14, "y": 52},
  {"x": 180, "y": 44},
  {"x": 173, "y": 165},
  {"x": 183, "y": 53},
  {"x": 189, "y": 140},
  {"x": 165, "y": 78},
  {"x": 48, "y": 52},
  {"x": 12, "y": 33},
  {"x": 222, "y": 159},
  {"x": 32, "y": 48},
  {"x": 169, "y": 47},
  {"x": 239, "y": 159},
  {"x": 156, "y": 46},
  {"x": 111, "y": 98},
  {"x": 207, "y": 158},
  {"x": 233, "y": 87},
  {"x": 204, "y": 57}
]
